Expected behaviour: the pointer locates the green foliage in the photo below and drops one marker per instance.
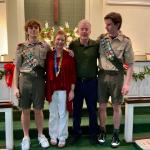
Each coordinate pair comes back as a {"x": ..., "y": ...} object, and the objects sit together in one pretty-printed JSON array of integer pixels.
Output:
[
  {"x": 2, "y": 73},
  {"x": 141, "y": 75}
]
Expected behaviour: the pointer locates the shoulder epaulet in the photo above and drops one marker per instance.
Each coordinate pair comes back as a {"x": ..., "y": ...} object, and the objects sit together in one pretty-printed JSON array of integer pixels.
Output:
[
  {"x": 102, "y": 36},
  {"x": 124, "y": 36},
  {"x": 20, "y": 44}
]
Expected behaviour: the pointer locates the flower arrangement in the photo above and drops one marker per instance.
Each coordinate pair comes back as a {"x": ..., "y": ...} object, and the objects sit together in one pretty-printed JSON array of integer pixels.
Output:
[{"x": 47, "y": 34}]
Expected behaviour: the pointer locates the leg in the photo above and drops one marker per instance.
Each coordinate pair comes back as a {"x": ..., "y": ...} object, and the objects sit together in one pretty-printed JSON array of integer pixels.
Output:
[
  {"x": 39, "y": 124},
  {"x": 53, "y": 117},
  {"x": 117, "y": 115},
  {"x": 39, "y": 120},
  {"x": 25, "y": 121},
  {"x": 103, "y": 96},
  {"x": 77, "y": 108},
  {"x": 102, "y": 120},
  {"x": 117, "y": 119},
  {"x": 63, "y": 118},
  {"x": 38, "y": 104},
  {"x": 102, "y": 115},
  {"x": 91, "y": 101}
]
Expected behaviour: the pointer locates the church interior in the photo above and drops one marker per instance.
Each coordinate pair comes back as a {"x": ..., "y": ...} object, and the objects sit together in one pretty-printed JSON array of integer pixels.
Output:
[{"x": 61, "y": 13}]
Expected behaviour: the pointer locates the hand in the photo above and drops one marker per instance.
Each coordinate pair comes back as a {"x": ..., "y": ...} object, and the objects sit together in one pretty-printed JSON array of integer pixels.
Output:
[
  {"x": 71, "y": 95},
  {"x": 71, "y": 53},
  {"x": 125, "y": 89},
  {"x": 17, "y": 93}
]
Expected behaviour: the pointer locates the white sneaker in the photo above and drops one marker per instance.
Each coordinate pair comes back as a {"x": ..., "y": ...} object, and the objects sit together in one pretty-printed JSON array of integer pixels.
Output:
[
  {"x": 43, "y": 141},
  {"x": 25, "y": 144}
]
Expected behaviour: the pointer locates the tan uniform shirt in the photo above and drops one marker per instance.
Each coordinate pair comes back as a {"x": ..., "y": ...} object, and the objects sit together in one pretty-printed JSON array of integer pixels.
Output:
[
  {"x": 29, "y": 55},
  {"x": 122, "y": 48}
]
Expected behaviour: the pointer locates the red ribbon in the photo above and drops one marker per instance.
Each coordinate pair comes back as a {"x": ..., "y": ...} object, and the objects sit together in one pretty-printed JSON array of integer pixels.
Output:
[{"x": 9, "y": 71}]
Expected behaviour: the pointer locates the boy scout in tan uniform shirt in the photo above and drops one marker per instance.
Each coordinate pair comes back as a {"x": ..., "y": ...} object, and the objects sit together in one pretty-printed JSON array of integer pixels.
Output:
[
  {"x": 29, "y": 81},
  {"x": 30, "y": 66},
  {"x": 115, "y": 50},
  {"x": 30, "y": 55},
  {"x": 122, "y": 48}
]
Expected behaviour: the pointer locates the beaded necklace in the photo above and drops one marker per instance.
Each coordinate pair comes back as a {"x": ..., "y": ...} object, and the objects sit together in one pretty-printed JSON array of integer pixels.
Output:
[{"x": 57, "y": 66}]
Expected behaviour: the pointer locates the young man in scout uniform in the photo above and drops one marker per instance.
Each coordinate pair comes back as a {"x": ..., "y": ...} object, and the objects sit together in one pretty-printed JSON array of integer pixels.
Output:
[
  {"x": 29, "y": 81},
  {"x": 115, "y": 50}
]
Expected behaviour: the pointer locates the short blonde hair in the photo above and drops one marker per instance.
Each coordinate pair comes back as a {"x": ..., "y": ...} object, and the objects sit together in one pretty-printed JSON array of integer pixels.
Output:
[{"x": 84, "y": 21}]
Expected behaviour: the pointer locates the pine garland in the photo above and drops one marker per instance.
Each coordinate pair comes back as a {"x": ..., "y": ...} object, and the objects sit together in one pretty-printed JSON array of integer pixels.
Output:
[
  {"x": 136, "y": 76},
  {"x": 142, "y": 74},
  {"x": 2, "y": 73}
]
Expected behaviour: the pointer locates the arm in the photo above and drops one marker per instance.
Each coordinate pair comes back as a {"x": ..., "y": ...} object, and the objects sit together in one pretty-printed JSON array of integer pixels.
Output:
[
  {"x": 16, "y": 88},
  {"x": 128, "y": 77},
  {"x": 70, "y": 49},
  {"x": 128, "y": 59},
  {"x": 18, "y": 63},
  {"x": 71, "y": 93},
  {"x": 72, "y": 78}
]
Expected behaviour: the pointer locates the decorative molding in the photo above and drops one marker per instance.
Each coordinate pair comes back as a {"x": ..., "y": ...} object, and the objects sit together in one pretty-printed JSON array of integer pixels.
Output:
[
  {"x": 2, "y": 1},
  {"x": 128, "y": 2}
]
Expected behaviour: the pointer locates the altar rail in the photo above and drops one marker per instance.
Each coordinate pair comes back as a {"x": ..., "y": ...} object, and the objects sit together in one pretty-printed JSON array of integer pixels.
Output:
[
  {"x": 6, "y": 107},
  {"x": 130, "y": 103}
]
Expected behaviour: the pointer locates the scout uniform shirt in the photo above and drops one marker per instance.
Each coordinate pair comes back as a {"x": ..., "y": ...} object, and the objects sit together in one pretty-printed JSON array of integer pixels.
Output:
[
  {"x": 122, "y": 48},
  {"x": 29, "y": 55}
]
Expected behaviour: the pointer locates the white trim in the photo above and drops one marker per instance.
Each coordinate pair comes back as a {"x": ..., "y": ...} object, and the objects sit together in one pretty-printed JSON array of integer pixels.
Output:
[{"x": 129, "y": 2}]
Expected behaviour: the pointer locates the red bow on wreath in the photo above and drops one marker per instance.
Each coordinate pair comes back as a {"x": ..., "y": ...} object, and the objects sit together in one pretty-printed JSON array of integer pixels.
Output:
[{"x": 9, "y": 71}]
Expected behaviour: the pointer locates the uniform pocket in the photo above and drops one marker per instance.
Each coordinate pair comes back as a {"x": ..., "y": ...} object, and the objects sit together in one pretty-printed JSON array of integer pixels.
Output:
[
  {"x": 119, "y": 52},
  {"x": 43, "y": 53}
]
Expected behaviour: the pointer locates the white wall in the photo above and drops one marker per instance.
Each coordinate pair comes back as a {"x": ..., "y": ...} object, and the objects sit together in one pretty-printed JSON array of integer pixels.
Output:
[{"x": 136, "y": 23}]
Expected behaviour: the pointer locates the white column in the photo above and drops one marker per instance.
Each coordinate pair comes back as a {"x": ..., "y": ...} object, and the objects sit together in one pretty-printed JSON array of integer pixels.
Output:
[
  {"x": 3, "y": 29},
  {"x": 15, "y": 24},
  {"x": 20, "y": 20}
]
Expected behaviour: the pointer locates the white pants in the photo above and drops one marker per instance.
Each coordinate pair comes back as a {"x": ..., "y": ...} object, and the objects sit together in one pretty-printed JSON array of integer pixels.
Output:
[{"x": 58, "y": 116}]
